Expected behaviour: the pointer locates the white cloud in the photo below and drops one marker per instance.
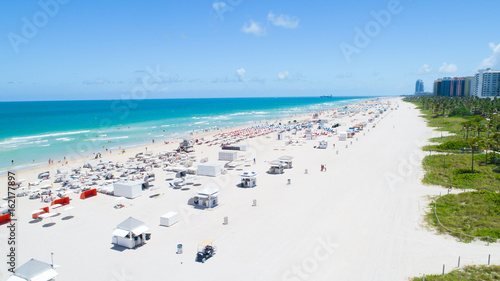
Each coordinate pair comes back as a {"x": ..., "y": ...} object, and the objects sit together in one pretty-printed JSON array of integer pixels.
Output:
[
  {"x": 254, "y": 28},
  {"x": 283, "y": 20},
  {"x": 218, "y": 5},
  {"x": 492, "y": 60},
  {"x": 283, "y": 75},
  {"x": 241, "y": 74},
  {"x": 448, "y": 68},
  {"x": 424, "y": 69}
]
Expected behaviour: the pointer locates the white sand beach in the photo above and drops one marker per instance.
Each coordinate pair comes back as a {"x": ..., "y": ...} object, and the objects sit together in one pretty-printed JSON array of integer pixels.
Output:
[{"x": 361, "y": 219}]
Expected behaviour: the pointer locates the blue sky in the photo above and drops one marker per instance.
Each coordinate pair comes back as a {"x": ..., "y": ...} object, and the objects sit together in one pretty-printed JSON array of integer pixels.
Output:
[{"x": 67, "y": 49}]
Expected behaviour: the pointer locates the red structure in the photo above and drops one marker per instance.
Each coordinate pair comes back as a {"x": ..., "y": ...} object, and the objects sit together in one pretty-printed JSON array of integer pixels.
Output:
[
  {"x": 88, "y": 193},
  {"x": 62, "y": 201},
  {"x": 42, "y": 211},
  {"x": 5, "y": 218}
]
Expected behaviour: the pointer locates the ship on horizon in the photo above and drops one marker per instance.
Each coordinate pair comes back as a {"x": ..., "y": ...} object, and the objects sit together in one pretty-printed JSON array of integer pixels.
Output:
[{"x": 330, "y": 96}]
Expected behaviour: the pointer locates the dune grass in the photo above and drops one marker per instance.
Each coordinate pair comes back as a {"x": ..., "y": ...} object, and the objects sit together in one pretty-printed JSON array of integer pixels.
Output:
[
  {"x": 455, "y": 169},
  {"x": 467, "y": 273},
  {"x": 474, "y": 213}
]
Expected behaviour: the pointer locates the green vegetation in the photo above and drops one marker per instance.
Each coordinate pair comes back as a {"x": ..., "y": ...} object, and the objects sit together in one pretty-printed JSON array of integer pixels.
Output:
[
  {"x": 474, "y": 213},
  {"x": 471, "y": 161},
  {"x": 467, "y": 273},
  {"x": 455, "y": 169}
]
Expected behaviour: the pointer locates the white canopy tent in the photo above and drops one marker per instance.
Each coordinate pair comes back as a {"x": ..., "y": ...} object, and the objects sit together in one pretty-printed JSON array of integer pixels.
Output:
[
  {"x": 130, "y": 233},
  {"x": 34, "y": 270}
]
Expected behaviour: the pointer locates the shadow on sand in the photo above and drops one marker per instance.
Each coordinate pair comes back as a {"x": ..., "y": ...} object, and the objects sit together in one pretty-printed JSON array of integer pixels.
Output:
[{"x": 118, "y": 248}]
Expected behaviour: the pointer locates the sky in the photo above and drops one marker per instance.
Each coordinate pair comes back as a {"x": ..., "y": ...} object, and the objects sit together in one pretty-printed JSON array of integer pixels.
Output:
[{"x": 74, "y": 50}]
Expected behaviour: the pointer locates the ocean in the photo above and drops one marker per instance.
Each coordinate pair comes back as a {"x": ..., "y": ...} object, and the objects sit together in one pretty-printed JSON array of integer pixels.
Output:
[{"x": 33, "y": 132}]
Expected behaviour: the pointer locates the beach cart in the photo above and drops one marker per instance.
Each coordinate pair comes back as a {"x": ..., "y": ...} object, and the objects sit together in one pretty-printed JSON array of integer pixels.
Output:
[{"x": 206, "y": 250}]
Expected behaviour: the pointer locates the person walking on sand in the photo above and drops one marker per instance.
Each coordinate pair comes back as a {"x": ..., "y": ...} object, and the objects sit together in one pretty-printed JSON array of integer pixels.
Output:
[{"x": 322, "y": 167}]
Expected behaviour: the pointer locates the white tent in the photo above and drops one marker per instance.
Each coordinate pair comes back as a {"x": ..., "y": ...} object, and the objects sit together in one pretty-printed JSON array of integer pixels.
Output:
[
  {"x": 169, "y": 219},
  {"x": 127, "y": 189},
  {"x": 208, "y": 197},
  {"x": 34, "y": 270},
  {"x": 228, "y": 155},
  {"x": 211, "y": 170},
  {"x": 342, "y": 136},
  {"x": 130, "y": 233}
]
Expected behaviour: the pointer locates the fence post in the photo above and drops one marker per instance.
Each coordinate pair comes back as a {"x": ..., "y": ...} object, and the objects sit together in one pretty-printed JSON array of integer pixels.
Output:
[
  {"x": 458, "y": 261},
  {"x": 423, "y": 279},
  {"x": 443, "y": 269},
  {"x": 488, "y": 241},
  {"x": 489, "y": 256}
]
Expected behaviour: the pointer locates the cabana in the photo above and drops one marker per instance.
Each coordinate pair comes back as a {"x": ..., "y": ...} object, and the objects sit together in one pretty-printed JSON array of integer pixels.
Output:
[
  {"x": 207, "y": 197},
  {"x": 149, "y": 177},
  {"x": 343, "y": 136},
  {"x": 249, "y": 179},
  {"x": 127, "y": 189},
  {"x": 228, "y": 155},
  {"x": 88, "y": 193},
  {"x": 5, "y": 218},
  {"x": 60, "y": 201},
  {"x": 276, "y": 167},
  {"x": 169, "y": 219},
  {"x": 34, "y": 270},
  {"x": 90, "y": 165},
  {"x": 61, "y": 172},
  {"x": 35, "y": 215},
  {"x": 130, "y": 233},
  {"x": 211, "y": 170},
  {"x": 323, "y": 144},
  {"x": 309, "y": 134},
  {"x": 286, "y": 161},
  {"x": 44, "y": 175}
]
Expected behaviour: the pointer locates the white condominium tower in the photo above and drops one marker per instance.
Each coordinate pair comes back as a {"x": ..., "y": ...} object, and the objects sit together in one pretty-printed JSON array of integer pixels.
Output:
[{"x": 487, "y": 83}]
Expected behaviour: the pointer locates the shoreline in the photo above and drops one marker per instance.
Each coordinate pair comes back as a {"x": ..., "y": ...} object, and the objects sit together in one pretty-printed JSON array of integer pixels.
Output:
[
  {"x": 365, "y": 209},
  {"x": 72, "y": 160},
  {"x": 91, "y": 140}
]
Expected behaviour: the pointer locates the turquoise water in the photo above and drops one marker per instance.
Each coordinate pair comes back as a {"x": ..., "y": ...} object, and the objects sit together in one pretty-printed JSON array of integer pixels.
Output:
[{"x": 33, "y": 132}]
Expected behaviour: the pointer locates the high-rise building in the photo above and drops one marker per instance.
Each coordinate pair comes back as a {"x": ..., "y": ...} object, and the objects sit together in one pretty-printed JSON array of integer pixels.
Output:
[
  {"x": 453, "y": 87},
  {"x": 487, "y": 83},
  {"x": 419, "y": 86},
  {"x": 457, "y": 87},
  {"x": 469, "y": 86}
]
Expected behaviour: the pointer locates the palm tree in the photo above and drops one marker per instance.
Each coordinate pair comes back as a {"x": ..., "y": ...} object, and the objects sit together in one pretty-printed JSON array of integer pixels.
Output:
[
  {"x": 474, "y": 143},
  {"x": 467, "y": 125}
]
